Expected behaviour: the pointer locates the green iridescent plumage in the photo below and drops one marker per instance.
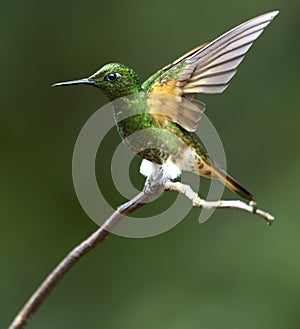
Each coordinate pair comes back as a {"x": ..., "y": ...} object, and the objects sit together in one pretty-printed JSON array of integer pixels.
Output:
[{"x": 165, "y": 109}]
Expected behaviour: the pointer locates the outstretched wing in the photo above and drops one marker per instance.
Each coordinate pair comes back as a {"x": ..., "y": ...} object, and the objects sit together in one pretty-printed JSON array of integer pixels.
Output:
[{"x": 207, "y": 69}]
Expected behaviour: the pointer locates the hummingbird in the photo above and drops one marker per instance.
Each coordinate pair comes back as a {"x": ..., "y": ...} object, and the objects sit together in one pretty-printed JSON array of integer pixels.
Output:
[{"x": 169, "y": 109}]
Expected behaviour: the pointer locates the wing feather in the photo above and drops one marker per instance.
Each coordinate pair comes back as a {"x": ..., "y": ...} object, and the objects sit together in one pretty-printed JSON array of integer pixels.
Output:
[{"x": 207, "y": 69}]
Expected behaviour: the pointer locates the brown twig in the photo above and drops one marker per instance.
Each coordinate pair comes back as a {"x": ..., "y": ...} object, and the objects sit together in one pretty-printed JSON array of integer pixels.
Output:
[
  {"x": 152, "y": 190},
  {"x": 154, "y": 187}
]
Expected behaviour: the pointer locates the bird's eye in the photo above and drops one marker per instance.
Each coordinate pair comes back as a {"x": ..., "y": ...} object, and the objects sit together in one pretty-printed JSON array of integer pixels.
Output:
[{"x": 112, "y": 77}]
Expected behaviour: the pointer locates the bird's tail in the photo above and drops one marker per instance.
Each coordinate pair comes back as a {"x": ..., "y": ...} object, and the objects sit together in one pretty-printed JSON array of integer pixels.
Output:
[
  {"x": 231, "y": 183},
  {"x": 208, "y": 169}
]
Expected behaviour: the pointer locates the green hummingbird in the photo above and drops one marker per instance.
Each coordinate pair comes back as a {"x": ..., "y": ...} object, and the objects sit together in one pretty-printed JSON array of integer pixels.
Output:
[{"x": 169, "y": 110}]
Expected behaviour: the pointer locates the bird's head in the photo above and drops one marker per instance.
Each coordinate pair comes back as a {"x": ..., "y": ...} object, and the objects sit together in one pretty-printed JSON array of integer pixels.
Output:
[{"x": 114, "y": 80}]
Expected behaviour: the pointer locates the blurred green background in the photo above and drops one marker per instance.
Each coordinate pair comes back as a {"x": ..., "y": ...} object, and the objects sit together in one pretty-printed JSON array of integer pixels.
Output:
[{"x": 231, "y": 272}]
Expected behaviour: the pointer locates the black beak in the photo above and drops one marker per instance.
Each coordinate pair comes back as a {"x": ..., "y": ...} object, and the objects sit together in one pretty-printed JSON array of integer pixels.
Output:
[{"x": 75, "y": 82}]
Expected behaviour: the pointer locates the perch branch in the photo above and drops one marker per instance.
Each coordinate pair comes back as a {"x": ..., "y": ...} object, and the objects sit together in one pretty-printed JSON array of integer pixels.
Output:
[
  {"x": 154, "y": 187},
  {"x": 209, "y": 205}
]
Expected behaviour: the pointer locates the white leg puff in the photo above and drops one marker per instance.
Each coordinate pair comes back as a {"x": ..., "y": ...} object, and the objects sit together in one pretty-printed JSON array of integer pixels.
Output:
[
  {"x": 149, "y": 168},
  {"x": 170, "y": 169}
]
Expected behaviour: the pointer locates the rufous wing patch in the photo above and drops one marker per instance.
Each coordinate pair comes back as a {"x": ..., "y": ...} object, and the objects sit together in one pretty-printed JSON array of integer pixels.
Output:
[{"x": 167, "y": 100}]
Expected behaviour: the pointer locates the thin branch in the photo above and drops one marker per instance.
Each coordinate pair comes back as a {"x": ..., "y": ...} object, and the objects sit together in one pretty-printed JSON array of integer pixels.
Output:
[
  {"x": 209, "y": 205},
  {"x": 154, "y": 187}
]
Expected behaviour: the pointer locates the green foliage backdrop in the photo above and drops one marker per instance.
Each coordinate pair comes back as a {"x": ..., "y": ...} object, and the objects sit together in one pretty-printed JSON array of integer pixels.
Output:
[{"x": 231, "y": 272}]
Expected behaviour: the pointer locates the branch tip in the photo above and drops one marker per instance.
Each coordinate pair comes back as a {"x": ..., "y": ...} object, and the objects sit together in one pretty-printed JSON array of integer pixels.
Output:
[{"x": 210, "y": 205}]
